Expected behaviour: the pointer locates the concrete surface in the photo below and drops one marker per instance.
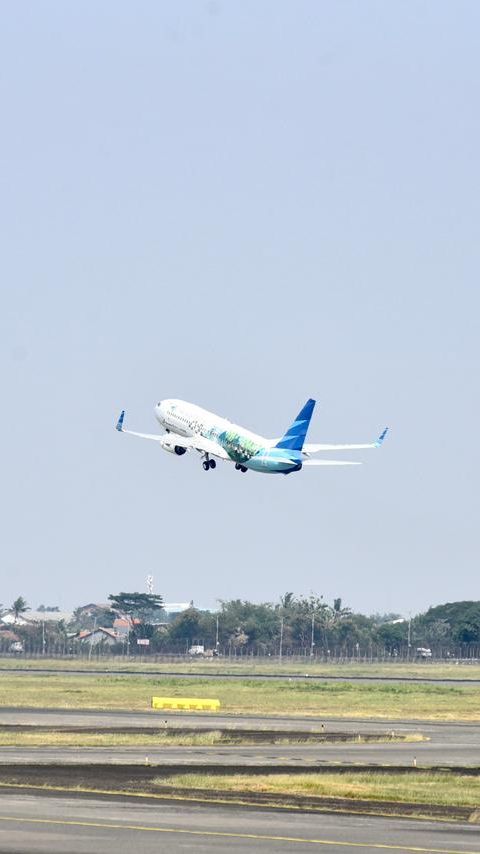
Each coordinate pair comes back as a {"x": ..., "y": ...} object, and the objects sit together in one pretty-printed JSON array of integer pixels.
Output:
[{"x": 66, "y": 825}]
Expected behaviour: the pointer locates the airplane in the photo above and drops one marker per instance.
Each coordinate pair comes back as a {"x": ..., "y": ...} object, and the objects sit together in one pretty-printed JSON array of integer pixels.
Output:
[{"x": 189, "y": 427}]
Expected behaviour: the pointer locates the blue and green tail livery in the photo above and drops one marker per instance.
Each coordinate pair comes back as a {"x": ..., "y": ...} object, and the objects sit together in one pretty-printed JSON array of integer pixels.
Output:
[{"x": 294, "y": 438}]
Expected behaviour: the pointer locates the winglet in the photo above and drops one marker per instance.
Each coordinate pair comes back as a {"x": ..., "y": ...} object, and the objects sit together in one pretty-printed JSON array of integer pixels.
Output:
[
  {"x": 119, "y": 425},
  {"x": 380, "y": 439}
]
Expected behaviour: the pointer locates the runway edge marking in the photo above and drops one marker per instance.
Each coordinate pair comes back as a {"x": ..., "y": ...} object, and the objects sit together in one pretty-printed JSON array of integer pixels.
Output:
[{"x": 226, "y": 834}]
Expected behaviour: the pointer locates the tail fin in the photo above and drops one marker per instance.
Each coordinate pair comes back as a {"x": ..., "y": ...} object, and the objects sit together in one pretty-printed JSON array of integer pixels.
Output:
[{"x": 295, "y": 436}]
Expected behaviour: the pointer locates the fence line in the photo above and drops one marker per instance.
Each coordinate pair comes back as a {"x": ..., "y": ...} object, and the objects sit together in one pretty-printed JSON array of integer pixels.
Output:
[{"x": 462, "y": 653}]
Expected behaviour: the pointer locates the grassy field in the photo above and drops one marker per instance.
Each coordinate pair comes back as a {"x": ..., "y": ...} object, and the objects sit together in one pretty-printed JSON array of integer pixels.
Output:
[
  {"x": 444, "y": 789},
  {"x": 321, "y": 699},
  {"x": 99, "y": 739},
  {"x": 414, "y": 669},
  {"x": 167, "y": 739}
]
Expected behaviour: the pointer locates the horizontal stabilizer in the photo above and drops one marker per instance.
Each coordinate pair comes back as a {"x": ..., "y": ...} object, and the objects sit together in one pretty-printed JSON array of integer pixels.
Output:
[
  {"x": 330, "y": 463},
  {"x": 315, "y": 448}
]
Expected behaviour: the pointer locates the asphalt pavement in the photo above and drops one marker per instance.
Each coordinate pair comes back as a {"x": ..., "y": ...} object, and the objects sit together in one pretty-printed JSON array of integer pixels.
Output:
[
  {"x": 308, "y": 755},
  {"x": 63, "y": 825},
  {"x": 319, "y": 677},
  {"x": 448, "y": 744}
]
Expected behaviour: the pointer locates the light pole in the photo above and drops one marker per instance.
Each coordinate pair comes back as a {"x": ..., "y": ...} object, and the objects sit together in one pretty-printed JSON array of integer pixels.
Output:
[
  {"x": 312, "y": 643},
  {"x": 216, "y": 637},
  {"x": 92, "y": 638},
  {"x": 281, "y": 641}
]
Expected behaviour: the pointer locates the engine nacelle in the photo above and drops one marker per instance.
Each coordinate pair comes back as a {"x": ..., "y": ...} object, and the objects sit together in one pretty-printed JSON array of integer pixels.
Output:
[{"x": 169, "y": 445}]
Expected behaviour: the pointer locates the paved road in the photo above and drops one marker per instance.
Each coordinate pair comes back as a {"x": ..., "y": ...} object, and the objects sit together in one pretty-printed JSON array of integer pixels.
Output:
[
  {"x": 53, "y": 825},
  {"x": 154, "y": 674}
]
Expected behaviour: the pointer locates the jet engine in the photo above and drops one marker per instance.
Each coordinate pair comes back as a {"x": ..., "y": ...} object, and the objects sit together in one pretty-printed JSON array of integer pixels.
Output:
[{"x": 169, "y": 445}]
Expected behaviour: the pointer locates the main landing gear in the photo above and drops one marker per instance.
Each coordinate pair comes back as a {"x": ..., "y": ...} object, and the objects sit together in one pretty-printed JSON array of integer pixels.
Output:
[
  {"x": 239, "y": 467},
  {"x": 209, "y": 464}
]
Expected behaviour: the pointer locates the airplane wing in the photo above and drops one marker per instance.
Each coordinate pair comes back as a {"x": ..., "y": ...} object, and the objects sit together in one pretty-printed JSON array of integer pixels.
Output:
[
  {"x": 156, "y": 437},
  {"x": 204, "y": 446},
  {"x": 330, "y": 463},
  {"x": 313, "y": 449},
  {"x": 197, "y": 443}
]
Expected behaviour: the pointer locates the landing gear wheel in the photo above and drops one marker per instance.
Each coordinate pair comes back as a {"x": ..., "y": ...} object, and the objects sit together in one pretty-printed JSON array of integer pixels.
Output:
[
  {"x": 212, "y": 464},
  {"x": 206, "y": 465},
  {"x": 238, "y": 466},
  {"x": 243, "y": 468}
]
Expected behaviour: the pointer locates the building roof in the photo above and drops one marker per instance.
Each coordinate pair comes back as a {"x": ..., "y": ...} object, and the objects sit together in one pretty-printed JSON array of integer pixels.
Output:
[
  {"x": 48, "y": 616},
  {"x": 7, "y": 635},
  {"x": 122, "y": 622},
  {"x": 86, "y": 633},
  {"x": 176, "y": 607},
  {"x": 9, "y": 619}
]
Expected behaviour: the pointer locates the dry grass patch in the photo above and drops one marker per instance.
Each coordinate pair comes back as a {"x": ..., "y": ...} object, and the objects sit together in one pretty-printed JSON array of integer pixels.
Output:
[
  {"x": 168, "y": 738},
  {"x": 99, "y": 739},
  {"x": 441, "y": 788}
]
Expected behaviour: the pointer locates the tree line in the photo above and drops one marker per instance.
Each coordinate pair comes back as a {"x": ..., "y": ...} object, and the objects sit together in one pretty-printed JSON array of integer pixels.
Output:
[{"x": 301, "y": 625}]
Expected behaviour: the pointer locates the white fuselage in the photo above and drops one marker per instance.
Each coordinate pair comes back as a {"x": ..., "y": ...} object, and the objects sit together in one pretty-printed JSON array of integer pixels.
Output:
[
  {"x": 246, "y": 449},
  {"x": 187, "y": 419}
]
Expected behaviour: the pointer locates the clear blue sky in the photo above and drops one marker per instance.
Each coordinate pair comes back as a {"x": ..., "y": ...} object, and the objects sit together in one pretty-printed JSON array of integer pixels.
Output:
[{"x": 243, "y": 205}]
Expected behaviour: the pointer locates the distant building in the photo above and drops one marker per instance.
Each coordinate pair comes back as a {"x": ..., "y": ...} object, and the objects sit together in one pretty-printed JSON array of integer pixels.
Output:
[
  {"x": 91, "y": 609},
  {"x": 7, "y": 636},
  {"x": 29, "y": 617},
  {"x": 122, "y": 626},
  {"x": 100, "y": 635},
  {"x": 9, "y": 619},
  {"x": 48, "y": 616},
  {"x": 177, "y": 607}
]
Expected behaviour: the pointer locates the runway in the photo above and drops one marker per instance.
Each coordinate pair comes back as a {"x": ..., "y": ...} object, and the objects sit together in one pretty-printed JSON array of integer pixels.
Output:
[
  {"x": 57, "y": 825},
  {"x": 465, "y": 732},
  {"x": 424, "y": 754},
  {"x": 449, "y": 744},
  {"x": 325, "y": 677}
]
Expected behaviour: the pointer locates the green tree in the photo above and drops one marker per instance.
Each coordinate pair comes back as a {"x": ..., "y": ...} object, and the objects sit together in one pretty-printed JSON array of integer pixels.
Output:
[
  {"x": 186, "y": 627},
  {"x": 287, "y": 601},
  {"x": 144, "y": 608},
  {"x": 91, "y": 616},
  {"x": 138, "y": 605},
  {"x": 392, "y": 635},
  {"x": 19, "y": 607},
  {"x": 259, "y": 623}
]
